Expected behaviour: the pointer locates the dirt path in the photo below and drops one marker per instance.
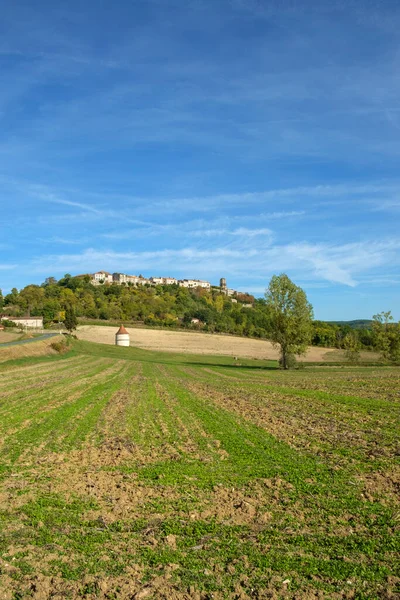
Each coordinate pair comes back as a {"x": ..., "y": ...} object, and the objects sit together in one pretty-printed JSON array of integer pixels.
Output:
[{"x": 198, "y": 343}]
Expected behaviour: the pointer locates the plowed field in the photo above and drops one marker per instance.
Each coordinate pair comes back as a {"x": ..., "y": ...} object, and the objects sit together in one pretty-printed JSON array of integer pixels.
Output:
[
  {"x": 205, "y": 343},
  {"x": 133, "y": 474}
]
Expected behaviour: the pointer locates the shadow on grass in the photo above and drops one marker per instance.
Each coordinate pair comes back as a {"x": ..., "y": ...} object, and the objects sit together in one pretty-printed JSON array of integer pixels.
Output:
[{"x": 271, "y": 367}]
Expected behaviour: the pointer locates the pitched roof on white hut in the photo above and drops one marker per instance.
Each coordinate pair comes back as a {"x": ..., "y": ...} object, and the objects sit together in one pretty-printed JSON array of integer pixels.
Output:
[{"x": 122, "y": 330}]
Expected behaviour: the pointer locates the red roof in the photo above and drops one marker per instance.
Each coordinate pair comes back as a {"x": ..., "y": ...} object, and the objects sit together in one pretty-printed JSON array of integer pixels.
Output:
[{"x": 122, "y": 330}]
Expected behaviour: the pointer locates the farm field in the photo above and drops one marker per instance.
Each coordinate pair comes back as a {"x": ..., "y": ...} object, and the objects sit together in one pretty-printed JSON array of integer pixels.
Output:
[
  {"x": 127, "y": 473},
  {"x": 18, "y": 348},
  {"x": 202, "y": 343},
  {"x": 9, "y": 336}
]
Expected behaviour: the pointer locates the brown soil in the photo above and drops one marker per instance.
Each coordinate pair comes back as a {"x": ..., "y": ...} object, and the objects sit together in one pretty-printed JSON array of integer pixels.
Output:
[
  {"x": 201, "y": 343},
  {"x": 94, "y": 471},
  {"x": 294, "y": 421}
]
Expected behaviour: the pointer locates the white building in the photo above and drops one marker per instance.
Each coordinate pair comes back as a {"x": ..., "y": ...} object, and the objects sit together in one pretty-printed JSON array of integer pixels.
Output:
[
  {"x": 142, "y": 281},
  {"x": 132, "y": 279},
  {"x": 194, "y": 283},
  {"x": 163, "y": 280},
  {"x": 102, "y": 277},
  {"x": 119, "y": 278},
  {"x": 28, "y": 322},
  {"x": 122, "y": 337}
]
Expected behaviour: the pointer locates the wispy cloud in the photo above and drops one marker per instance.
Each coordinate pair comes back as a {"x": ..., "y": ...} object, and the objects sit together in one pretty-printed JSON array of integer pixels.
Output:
[
  {"x": 339, "y": 264},
  {"x": 145, "y": 211},
  {"x": 283, "y": 214},
  {"x": 242, "y": 232},
  {"x": 323, "y": 263},
  {"x": 43, "y": 193},
  {"x": 55, "y": 240}
]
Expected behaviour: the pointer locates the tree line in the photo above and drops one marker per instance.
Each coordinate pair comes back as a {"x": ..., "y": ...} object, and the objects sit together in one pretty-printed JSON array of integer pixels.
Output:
[{"x": 283, "y": 308}]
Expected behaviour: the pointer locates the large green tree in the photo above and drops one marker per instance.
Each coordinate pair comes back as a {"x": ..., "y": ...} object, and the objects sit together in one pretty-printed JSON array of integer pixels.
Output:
[
  {"x": 351, "y": 345},
  {"x": 290, "y": 317},
  {"x": 387, "y": 336},
  {"x": 31, "y": 297},
  {"x": 70, "y": 320}
]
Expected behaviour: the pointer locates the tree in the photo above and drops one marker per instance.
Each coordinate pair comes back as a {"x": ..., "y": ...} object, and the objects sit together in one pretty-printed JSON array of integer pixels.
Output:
[
  {"x": 50, "y": 281},
  {"x": 351, "y": 344},
  {"x": 68, "y": 298},
  {"x": 387, "y": 336},
  {"x": 12, "y": 298},
  {"x": 290, "y": 317},
  {"x": 31, "y": 297},
  {"x": 219, "y": 303},
  {"x": 70, "y": 320}
]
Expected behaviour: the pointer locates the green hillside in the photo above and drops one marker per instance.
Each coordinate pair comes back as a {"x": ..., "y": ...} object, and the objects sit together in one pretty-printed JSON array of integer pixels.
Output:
[{"x": 355, "y": 324}]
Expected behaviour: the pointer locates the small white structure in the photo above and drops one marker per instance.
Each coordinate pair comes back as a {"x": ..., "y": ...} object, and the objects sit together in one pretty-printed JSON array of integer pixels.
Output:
[
  {"x": 122, "y": 337},
  {"x": 26, "y": 322},
  {"x": 194, "y": 283}
]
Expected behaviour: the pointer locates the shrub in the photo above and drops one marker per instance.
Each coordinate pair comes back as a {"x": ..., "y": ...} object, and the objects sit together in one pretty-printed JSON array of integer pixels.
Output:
[
  {"x": 8, "y": 323},
  {"x": 60, "y": 346}
]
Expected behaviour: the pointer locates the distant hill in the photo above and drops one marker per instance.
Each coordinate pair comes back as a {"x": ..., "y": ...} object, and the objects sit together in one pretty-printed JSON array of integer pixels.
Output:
[{"x": 356, "y": 324}]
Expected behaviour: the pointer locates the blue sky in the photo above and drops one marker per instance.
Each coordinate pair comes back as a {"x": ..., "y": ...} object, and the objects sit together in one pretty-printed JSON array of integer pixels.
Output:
[{"x": 204, "y": 138}]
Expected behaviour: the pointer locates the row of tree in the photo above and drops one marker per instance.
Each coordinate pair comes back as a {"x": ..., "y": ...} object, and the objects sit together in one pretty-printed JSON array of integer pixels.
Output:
[{"x": 284, "y": 315}]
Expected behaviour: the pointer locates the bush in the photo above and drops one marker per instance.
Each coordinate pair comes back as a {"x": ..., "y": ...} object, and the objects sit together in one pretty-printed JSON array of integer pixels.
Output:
[
  {"x": 60, "y": 346},
  {"x": 8, "y": 323}
]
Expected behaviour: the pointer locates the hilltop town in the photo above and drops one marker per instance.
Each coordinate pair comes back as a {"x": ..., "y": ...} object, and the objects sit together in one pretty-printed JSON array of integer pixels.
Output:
[{"x": 104, "y": 277}]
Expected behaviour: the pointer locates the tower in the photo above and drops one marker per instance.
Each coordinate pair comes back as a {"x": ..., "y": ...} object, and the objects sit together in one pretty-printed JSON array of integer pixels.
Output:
[
  {"x": 222, "y": 285},
  {"x": 122, "y": 337}
]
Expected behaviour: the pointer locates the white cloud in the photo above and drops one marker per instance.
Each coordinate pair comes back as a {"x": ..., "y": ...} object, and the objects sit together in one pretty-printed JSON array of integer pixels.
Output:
[
  {"x": 43, "y": 193},
  {"x": 338, "y": 264},
  {"x": 243, "y": 232},
  {"x": 324, "y": 265},
  {"x": 246, "y": 232},
  {"x": 283, "y": 214},
  {"x": 65, "y": 241}
]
